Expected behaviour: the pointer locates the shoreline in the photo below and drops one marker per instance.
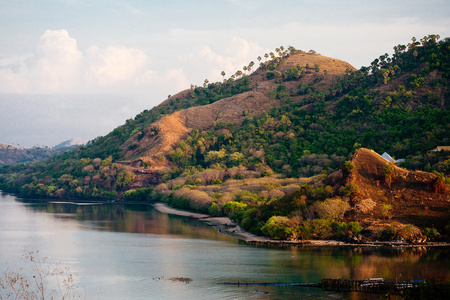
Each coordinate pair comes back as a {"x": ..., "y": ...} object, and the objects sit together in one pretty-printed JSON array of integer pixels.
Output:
[
  {"x": 228, "y": 227},
  {"x": 222, "y": 224}
]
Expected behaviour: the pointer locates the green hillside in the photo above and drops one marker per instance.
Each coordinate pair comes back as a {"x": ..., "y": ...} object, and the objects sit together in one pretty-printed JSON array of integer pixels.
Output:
[{"x": 298, "y": 115}]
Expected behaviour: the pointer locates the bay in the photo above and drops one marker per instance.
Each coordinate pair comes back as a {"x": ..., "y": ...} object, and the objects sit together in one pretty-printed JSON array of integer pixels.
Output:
[{"x": 135, "y": 252}]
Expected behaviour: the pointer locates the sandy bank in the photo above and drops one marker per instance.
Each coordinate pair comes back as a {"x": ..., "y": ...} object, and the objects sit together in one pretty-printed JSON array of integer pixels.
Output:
[
  {"x": 221, "y": 224},
  {"x": 228, "y": 227}
]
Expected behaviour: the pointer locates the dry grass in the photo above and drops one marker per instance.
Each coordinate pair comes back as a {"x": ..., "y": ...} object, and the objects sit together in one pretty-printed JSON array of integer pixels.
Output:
[
  {"x": 175, "y": 127},
  {"x": 247, "y": 189}
]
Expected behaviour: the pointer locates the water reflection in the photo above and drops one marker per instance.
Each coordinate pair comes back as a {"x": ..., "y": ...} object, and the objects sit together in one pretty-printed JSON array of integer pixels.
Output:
[
  {"x": 131, "y": 218},
  {"x": 118, "y": 249}
]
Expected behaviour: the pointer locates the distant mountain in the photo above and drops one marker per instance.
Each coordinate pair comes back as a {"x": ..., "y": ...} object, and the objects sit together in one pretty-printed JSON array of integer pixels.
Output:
[
  {"x": 70, "y": 143},
  {"x": 293, "y": 120},
  {"x": 10, "y": 155}
]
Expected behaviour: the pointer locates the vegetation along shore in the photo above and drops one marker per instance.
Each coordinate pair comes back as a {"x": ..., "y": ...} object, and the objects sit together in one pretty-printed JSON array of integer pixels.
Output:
[{"x": 295, "y": 148}]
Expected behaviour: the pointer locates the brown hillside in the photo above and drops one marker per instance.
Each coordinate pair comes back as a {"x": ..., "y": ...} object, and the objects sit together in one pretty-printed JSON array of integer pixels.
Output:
[
  {"x": 332, "y": 65},
  {"x": 414, "y": 195},
  {"x": 172, "y": 129}
]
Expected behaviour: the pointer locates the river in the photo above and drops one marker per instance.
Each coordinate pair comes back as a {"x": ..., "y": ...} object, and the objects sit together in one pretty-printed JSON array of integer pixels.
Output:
[{"x": 136, "y": 252}]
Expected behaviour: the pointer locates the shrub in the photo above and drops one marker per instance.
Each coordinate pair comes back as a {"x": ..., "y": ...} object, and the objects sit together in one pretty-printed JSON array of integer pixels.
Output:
[
  {"x": 234, "y": 210},
  {"x": 213, "y": 210},
  {"x": 387, "y": 234},
  {"x": 431, "y": 233},
  {"x": 354, "y": 227},
  {"x": 138, "y": 195},
  {"x": 303, "y": 231},
  {"x": 386, "y": 210},
  {"x": 333, "y": 209},
  {"x": 347, "y": 166},
  {"x": 322, "y": 228},
  {"x": 389, "y": 174},
  {"x": 352, "y": 189},
  {"x": 407, "y": 233},
  {"x": 277, "y": 227}
]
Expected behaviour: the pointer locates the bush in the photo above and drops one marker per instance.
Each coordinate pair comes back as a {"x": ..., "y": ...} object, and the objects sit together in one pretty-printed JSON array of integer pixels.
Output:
[
  {"x": 333, "y": 209},
  {"x": 389, "y": 174},
  {"x": 354, "y": 227},
  {"x": 322, "y": 228},
  {"x": 234, "y": 210},
  {"x": 386, "y": 210},
  {"x": 352, "y": 189},
  {"x": 347, "y": 167},
  {"x": 138, "y": 195},
  {"x": 277, "y": 227},
  {"x": 303, "y": 231},
  {"x": 387, "y": 234},
  {"x": 431, "y": 233},
  {"x": 213, "y": 210}
]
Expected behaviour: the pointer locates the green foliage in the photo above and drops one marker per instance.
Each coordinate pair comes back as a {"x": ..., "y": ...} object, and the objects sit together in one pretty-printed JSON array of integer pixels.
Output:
[
  {"x": 213, "y": 210},
  {"x": 234, "y": 210},
  {"x": 389, "y": 174},
  {"x": 387, "y": 234},
  {"x": 386, "y": 210},
  {"x": 277, "y": 227},
  {"x": 322, "y": 228},
  {"x": 351, "y": 189},
  {"x": 431, "y": 233},
  {"x": 347, "y": 167},
  {"x": 138, "y": 195}
]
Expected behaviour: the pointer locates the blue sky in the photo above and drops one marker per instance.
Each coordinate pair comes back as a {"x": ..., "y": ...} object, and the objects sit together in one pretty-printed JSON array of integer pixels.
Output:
[{"x": 82, "y": 68}]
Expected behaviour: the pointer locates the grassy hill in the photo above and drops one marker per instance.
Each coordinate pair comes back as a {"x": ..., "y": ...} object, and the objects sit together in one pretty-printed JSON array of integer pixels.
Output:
[{"x": 244, "y": 146}]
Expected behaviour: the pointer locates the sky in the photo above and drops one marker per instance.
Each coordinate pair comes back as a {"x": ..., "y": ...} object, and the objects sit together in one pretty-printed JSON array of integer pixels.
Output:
[{"x": 80, "y": 68}]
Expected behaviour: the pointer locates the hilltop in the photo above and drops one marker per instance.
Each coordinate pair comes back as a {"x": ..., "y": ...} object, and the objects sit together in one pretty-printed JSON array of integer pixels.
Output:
[
  {"x": 271, "y": 146},
  {"x": 161, "y": 136}
]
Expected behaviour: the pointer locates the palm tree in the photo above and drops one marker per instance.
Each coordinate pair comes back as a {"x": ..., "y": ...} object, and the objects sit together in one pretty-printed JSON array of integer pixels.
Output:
[
  {"x": 277, "y": 50},
  {"x": 245, "y": 68},
  {"x": 250, "y": 66},
  {"x": 266, "y": 56},
  {"x": 259, "y": 58},
  {"x": 223, "y": 75}
]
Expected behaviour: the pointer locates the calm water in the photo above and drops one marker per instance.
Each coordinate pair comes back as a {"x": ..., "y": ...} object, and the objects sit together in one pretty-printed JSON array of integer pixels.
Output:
[{"x": 131, "y": 251}]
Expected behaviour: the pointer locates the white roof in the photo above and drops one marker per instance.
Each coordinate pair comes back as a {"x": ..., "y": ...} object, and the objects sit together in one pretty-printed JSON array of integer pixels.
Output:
[{"x": 388, "y": 157}]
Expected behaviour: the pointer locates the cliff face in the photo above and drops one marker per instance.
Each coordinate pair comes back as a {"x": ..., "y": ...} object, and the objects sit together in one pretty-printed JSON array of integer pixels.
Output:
[{"x": 416, "y": 197}]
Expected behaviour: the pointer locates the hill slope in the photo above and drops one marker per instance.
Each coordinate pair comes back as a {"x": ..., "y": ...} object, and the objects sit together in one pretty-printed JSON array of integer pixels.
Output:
[
  {"x": 296, "y": 116},
  {"x": 416, "y": 197}
]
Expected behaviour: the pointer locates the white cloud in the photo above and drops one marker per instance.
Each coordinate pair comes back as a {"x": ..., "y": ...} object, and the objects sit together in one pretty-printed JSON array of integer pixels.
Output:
[
  {"x": 58, "y": 66},
  {"x": 113, "y": 65},
  {"x": 210, "y": 62}
]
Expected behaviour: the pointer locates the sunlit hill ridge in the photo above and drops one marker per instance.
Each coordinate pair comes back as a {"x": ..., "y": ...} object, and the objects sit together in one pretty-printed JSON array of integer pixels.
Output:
[{"x": 282, "y": 148}]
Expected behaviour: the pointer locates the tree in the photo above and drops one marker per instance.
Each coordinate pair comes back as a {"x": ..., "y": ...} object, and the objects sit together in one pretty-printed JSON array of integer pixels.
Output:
[
  {"x": 277, "y": 227},
  {"x": 223, "y": 75},
  {"x": 250, "y": 66}
]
